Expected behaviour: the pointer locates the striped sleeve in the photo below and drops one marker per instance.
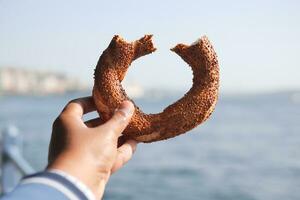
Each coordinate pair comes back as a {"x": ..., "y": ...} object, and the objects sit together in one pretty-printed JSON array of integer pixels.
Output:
[{"x": 48, "y": 185}]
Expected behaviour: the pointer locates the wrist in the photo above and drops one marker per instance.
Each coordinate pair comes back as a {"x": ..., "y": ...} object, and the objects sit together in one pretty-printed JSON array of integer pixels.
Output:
[
  {"x": 76, "y": 182},
  {"x": 83, "y": 170}
]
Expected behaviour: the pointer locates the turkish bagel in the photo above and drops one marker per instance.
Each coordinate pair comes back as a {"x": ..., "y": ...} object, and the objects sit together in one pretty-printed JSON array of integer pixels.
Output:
[{"x": 183, "y": 115}]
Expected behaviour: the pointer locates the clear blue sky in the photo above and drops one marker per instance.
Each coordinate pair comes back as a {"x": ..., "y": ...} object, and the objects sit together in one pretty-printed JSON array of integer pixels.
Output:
[{"x": 257, "y": 41}]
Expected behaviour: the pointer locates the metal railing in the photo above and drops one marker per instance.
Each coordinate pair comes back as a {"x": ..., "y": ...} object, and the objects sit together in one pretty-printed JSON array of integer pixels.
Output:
[{"x": 13, "y": 164}]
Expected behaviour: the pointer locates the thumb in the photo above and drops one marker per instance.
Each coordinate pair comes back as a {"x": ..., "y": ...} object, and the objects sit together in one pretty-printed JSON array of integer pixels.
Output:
[{"x": 120, "y": 119}]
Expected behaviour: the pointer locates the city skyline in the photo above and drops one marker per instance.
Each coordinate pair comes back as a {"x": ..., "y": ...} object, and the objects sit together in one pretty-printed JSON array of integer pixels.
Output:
[{"x": 257, "y": 42}]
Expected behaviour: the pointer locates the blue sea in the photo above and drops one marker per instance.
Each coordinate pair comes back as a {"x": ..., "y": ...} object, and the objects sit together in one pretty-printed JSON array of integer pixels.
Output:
[{"x": 248, "y": 150}]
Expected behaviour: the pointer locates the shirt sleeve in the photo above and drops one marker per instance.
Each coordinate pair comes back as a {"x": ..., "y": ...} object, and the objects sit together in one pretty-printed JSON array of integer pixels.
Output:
[{"x": 47, "y": 185}]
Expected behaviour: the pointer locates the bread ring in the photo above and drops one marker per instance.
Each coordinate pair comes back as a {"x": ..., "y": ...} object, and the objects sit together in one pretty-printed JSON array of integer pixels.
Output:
[{"x": 183, "y": 115}]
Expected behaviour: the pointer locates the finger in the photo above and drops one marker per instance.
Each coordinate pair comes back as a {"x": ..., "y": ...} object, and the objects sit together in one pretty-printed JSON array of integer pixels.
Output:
[
  {"x": 80, "y": 106},
  {"x": 94, "y": 122},
  {"x": 125, "y": 153},
  {"x": 119, "y": 120}
]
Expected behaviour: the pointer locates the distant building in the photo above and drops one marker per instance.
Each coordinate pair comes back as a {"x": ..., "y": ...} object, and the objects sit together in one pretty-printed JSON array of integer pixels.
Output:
[{"x": 24, "y": 81}]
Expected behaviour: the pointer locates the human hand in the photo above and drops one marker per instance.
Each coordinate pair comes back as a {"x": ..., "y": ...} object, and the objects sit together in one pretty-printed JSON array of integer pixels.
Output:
[{"x": 89, "y": 150}]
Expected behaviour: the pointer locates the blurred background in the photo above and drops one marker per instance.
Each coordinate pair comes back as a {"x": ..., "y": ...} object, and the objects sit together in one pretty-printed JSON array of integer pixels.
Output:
[{"x": 247, "y": 150}]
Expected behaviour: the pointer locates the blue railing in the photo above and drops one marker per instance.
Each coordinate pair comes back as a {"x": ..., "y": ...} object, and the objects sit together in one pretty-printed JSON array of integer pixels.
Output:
[{"x": 13, "y": 164}]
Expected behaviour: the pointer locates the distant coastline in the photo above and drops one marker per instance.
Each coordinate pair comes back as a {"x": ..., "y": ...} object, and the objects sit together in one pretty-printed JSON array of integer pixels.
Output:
[
  {"x": 17, "y": 81},
  {"x": 32, "y": 82}
]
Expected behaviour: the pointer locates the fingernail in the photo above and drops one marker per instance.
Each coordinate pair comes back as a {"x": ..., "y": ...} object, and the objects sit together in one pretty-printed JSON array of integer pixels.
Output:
[{"x": 126, "y": 109}]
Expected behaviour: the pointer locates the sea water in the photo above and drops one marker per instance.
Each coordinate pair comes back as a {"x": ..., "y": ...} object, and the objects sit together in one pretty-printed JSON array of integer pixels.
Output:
[{"x": 249, "y": 149}]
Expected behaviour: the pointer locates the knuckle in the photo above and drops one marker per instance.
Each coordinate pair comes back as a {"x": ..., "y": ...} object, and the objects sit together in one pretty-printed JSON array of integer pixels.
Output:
[
  {"x": 60, "y": 120},
  {"x": 121, "y": 113},
  {"x": 70, "y": 104},
  {"x": 62, "y": 117},
  {"x": 119, "y": 117}
]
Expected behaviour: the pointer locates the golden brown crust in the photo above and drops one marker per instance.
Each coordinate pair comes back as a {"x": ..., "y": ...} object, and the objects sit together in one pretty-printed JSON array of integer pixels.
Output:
[{"x": 183, "y": 115}]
